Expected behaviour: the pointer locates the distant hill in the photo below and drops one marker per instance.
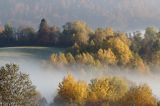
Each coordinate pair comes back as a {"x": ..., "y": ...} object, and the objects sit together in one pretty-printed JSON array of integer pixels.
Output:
[{"x": 120, "y": 14}]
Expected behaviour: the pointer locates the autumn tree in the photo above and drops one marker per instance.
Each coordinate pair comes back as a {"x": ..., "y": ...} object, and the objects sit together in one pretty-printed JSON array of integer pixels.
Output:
[
  {"x": 16, "y": 87},
  {"x": 106, "y": 57},
  {"x": 85, "y": 59},
  {"x": 121, "y": 50},
  {"x": 123, "y": 37},
  {"x": 71, "y": 92},
  {"x": 105, "y": 91},
  {"x": 138, "y": 64},
  {"x": 101, "y": 34},
  {"x": 76, "y": 32},
  {"x": 139, "y": 96},
  {"x": 70, "y": 58},
  {"x": 59, "y": 60}
]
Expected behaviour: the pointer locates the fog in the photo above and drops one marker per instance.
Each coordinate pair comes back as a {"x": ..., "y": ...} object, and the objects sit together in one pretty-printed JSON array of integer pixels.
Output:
[
  {"x": 46, "y": 78},
  {"x": 119, "y": 14}
]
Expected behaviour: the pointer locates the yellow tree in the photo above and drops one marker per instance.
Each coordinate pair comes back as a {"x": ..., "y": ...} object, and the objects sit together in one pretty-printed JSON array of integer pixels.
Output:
[
  {"x": 109, "y": 31},
  {"x": 138, "y": 64},
  {"x": 124, "y": 38},
  {"x": 70, "y": 59},
  {"x": 85, "y": 59},
  {"x": 101, "y": 34},
  {"x": 138, "y": 96},
  {"x": 59, "y": 59},
  {"x": 106, "y": 56},
  {"x": 121, "y": 50},
  {"x": 71, "y": 92},
  {"x": 105, "y": 91},
  {"x": 98, "y": 92}
]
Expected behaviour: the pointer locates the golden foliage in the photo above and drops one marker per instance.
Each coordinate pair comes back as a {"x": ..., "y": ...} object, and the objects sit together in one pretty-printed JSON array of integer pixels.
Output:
[
  {"x": 121, "y": 50},
  {"x": 71, "y": 91},
  {"x": 106, "y": 90},
  {"x": 59, "y": 59},
  {"x": 139, "y": 96},
  {"x": 85, "y": 58},
  {"x": 106, "y": 56},
  {"x": 138, "y": 64}
]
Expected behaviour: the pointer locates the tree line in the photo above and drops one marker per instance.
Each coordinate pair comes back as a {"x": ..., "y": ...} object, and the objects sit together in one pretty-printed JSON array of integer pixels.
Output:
[
  {"x": 83, "y": 45},
  {"x": 103, "y": 91},
  {"x": 16, "y": 89},
  {"x": 105, "y": 47},
  {"x": 28, "y": 36}
]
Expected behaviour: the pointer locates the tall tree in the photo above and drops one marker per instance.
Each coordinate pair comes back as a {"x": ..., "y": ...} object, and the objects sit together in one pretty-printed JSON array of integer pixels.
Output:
[
  {"x": 16, "y": 88},
  {"x": 43, "y": 31},
  {"x": 71, "y": 92},
  {"x": 76, "y": 32}
]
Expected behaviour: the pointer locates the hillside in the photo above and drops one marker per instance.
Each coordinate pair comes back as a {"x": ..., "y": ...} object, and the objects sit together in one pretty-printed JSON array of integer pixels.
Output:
[{"x": 119, "y": 14}]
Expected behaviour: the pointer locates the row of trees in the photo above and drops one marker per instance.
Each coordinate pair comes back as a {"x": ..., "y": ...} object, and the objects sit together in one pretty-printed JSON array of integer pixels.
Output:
[
  {"x": 28, "y": 36},
  {"x": 16, "y": 89},
  {"x": 106, "y": 91},
  {"x": 100, "y": 47},
  {"x": 105, "y": 47}
]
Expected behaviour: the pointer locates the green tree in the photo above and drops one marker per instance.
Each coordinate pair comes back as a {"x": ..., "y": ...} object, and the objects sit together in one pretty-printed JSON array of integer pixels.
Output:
[
  {"x": 136, "y": 43},
  {"x": 8, "y": 30},
  {"x": 27, "y": 34},
  {"x": 151, "y": 33}
]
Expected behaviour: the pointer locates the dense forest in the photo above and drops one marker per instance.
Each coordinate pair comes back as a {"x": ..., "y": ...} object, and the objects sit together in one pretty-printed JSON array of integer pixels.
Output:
[{"x": 84, "y": 48}]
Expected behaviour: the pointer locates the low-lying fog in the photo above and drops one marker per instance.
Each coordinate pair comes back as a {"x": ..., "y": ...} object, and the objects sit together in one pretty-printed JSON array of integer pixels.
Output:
[{"x": 35, "y": 62}]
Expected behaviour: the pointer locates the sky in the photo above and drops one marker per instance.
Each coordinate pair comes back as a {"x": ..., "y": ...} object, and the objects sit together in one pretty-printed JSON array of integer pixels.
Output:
[{"x": 122, "y": 15}]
